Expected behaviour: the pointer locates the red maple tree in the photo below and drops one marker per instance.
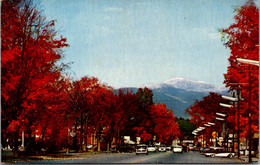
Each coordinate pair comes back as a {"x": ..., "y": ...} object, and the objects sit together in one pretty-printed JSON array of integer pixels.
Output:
[
  {"x": 242, "y": 37},
  {"x": 166, "y": 127},
  {"x": 30, "y": 49}
]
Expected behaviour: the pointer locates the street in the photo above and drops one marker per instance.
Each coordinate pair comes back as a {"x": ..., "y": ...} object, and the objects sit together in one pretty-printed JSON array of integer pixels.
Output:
[{"x": 156, "y": 158}]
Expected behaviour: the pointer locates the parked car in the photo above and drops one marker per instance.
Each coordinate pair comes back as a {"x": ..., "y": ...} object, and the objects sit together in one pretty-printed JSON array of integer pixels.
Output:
[
  {"x": 218, "y": 152},
  {"x": 123, "y": 148},
  {"x": 213, "y": 150},
  {"x": 151, "y": 148},
  {"x": 225, "y": 154},
  {"x": 203, "y": 150},
  {"x": 162, "y": 148},
  {"x": 177, "y": 148},
  {"x": 141, "y": 149}
]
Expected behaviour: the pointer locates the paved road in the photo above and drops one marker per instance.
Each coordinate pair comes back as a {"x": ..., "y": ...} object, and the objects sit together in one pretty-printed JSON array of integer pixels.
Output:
[{"x": 156, "y": 158}]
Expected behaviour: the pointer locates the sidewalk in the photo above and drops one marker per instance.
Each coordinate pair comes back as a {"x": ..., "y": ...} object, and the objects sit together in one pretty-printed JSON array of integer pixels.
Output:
[
  {"x": 245, "y": 158},
  {"x": 58, "y": 156}
]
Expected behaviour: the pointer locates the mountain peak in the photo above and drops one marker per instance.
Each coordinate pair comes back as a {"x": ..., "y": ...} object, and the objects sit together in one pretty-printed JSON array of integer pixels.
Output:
[
  {"x": 187, "y": 84},
  {"x": 181, "y": 79}
]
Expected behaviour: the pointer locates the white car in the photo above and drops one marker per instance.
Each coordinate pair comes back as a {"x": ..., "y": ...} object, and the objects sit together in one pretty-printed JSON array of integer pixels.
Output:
[
  {"x": 223, "y": 154},
  {"x": 177, "y": 148},
  {"x": 151, "y": 148},
  {"x": 162, "y": 148},
  {"x": 218, "y": 152},
  {"x": 141, "y": 149}
]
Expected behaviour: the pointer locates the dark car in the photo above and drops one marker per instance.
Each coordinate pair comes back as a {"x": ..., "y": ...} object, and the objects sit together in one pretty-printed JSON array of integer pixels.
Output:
[
  {"x": 203, "y": 150},
  {"x": 123, "y": 148}
]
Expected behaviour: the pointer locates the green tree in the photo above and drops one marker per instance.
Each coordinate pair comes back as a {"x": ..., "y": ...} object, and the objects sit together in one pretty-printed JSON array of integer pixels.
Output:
[
  {"x": 186, "y": 128},
  {"x": 145, "y": 97}
]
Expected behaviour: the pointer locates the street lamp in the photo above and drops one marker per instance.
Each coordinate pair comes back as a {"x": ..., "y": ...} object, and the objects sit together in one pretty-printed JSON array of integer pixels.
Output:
[
  {"x": 238, "y": 87},
  {"x": 233, "y": 99},
  {"x": 218, "y": 118},
  {"x": 229, "y": 98},
  {"x": 225, "y": 105},
  {"x": 256, "y": 63},
  {"x": 223, "y": 125},
  {"x": 246, "y": 61},
  {"x": 211, "y": 123},
  {"x": 224, "y": 115},
  {"x": 221, "y": 114},
  {"x": 198, "y": 130}
]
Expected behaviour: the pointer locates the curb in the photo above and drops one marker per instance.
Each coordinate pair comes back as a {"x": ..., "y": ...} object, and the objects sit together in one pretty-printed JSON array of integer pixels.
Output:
[{"x": 69, "y": 156}]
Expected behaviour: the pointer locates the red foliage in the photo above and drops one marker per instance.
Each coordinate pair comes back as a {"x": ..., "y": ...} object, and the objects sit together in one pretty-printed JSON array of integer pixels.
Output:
[
  {"x": 166, "y": 128},
  {"x": 29, "y": 51},
  {"x": 205, "y": 110},
  {"x": 242, "y": 38}
]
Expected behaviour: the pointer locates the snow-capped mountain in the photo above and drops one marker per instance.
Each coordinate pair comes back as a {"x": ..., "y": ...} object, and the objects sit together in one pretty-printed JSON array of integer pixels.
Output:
[
  {"x": 187, "y": 84},
  {"x": 180, "y": 93}
]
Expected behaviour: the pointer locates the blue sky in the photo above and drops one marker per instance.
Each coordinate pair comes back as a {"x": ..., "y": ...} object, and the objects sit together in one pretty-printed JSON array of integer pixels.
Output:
[{"x": 127, "y": 43}]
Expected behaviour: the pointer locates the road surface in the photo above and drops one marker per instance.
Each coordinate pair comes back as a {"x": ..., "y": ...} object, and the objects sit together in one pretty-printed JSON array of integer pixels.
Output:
[{"x": 155, "y": 158}]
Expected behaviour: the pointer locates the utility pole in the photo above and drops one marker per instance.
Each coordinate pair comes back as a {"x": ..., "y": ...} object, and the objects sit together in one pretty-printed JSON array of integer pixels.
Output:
[
  {"x": 233, "y": 138},
  {"x": 249, "y": 117},
  {"x": 238, "y": 128}
]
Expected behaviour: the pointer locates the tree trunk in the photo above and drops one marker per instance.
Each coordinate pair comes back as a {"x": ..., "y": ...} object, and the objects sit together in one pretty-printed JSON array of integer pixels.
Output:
[
  {"x": 75, "y": 139},
  {"x": 98, "y": 142},
  {"x": 16, "y": 136},
  {"x": 81, "y": 133}
]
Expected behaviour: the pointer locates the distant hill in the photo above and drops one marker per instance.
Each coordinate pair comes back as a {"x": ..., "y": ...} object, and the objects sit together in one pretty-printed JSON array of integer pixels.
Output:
[{"x": 180, "y": 93}]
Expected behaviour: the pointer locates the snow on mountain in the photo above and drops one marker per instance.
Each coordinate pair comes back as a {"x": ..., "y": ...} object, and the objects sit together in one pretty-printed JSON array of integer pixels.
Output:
[
  {"x": 187, "y": 84},
  {"x": 180, "y": 93}
]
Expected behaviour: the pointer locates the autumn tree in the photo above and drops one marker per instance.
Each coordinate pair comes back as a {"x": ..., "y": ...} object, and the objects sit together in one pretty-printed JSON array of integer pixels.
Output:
[
  {"x": 81, "y": 101},
  {"x": 166, "y": 127},
  {"x": 102, "y": 113},
  {"x": 205, "y": 110},
  {"x": 242, "y": 38},
  {"x": 50, "y": 119},
  {"x": 125, "y": 114},
  {"x": 144, "y": 125},
  {"x": 30, "y": 50}
]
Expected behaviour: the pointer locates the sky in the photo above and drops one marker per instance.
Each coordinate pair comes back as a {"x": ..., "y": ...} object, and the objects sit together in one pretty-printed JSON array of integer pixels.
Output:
[{"x": 129, "y": 43}]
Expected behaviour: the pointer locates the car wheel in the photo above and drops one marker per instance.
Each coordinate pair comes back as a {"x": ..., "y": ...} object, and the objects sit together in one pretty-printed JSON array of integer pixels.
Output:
[
  {"x": 136, "y": 153},
  {"x": 213, "y": 155},
  {"x": 230, "y": 155}
]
